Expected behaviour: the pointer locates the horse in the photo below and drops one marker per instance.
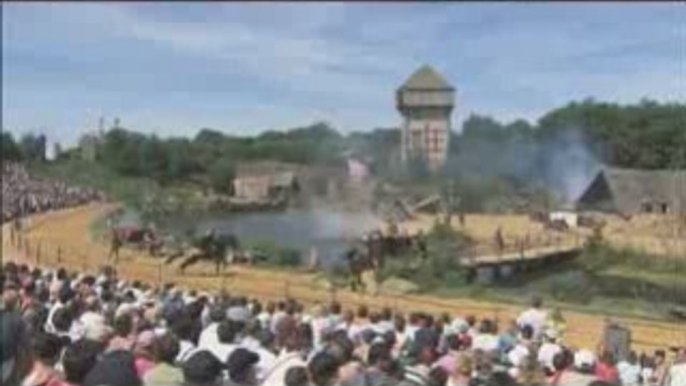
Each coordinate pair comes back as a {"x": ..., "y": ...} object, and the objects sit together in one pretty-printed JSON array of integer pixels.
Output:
[
  {"x": 215, "y": 248},
  {"x": 357, "y": 264}
]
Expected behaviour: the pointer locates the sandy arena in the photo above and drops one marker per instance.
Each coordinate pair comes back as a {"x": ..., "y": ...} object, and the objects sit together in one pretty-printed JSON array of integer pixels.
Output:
[{"x": 68, "y": 231}]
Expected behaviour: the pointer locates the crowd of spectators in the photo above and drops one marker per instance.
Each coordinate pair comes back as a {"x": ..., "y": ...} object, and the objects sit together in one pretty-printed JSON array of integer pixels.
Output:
[
  {"x": 24, "y": 194},
  {"x": 68, "y": 329}
]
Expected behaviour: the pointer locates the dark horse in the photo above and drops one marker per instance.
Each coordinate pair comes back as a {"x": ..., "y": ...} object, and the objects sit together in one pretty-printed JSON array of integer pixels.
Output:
[
  {"x": 358, "y": 263},
  {"x": 210, "y": 247}
]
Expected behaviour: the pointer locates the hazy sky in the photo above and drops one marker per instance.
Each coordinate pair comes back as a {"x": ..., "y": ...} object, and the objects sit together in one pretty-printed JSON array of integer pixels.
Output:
[{"x": 174, "y": 68}]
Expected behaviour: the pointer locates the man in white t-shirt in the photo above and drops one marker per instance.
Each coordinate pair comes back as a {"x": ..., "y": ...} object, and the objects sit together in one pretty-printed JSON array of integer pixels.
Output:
[
  {"x": 208, "y": 336},
  {"x": 629, "y": 370},
  {"x": 226, "y": 343},
  {"x": 534, "y": 317},
  {"x": 548, "y": 350},
  {"x": 676, "y": 375}
]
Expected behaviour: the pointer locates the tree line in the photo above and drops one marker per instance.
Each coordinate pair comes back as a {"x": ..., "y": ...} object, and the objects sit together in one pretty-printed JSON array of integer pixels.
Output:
[{"x": 510, "y": 156}]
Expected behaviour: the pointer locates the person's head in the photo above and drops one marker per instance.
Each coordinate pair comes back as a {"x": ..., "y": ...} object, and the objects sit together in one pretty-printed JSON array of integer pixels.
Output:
[
  {"x": 202, "y": 369},
  {"x": 527, "y": 332},
  {"x": 632, "y": 358},
  {"x": 399, "y": 323},
  {"x": 335, "y": 308},
  {"x": 536, "y": 302},
  {"x": 562, "y": 360},
  {"x": 323, "y": 369},
  {"x": 46, "y": 348},
  {"x": 166, "y": 348},
  {"x": 437, "y": 377},
  {"x": 78, "y": 360},
  {"x": 487, "y": 326},
  {"x": 660, "y": 356},
  {"x": 241, "y": 366},
  {"x": 217, "y": 314},
  {"x": 182, "y": 326},
  {"x": 378, "y": 354},
  {"x": 464, "y": 366},
  {"x": 227, "y": 332},
  {"x": 471, "y": 320},
  {"x": 123, "y": 325},
  {"x": 65, "y": 294},
  {"x": 296, "y": 376},
  {"x": 362, "y": 312},
  {"x": 453, "y": 342}
]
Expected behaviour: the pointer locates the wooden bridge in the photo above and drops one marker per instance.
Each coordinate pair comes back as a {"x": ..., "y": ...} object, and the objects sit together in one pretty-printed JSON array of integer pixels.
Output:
[{"x": 522, "y": 259}]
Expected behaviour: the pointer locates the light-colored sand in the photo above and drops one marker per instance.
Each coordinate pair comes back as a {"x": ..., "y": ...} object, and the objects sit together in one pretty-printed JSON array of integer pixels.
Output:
[{"x": 68, "y": 230}]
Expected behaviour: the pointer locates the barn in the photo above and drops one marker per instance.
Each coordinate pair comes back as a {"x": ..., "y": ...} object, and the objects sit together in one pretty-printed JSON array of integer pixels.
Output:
[
  {"x": 265, "y": 181},
  {"x": 631, "y": 191}
]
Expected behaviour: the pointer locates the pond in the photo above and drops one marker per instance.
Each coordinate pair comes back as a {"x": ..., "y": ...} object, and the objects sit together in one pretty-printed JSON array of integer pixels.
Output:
[{"x": 330, "y": 232}]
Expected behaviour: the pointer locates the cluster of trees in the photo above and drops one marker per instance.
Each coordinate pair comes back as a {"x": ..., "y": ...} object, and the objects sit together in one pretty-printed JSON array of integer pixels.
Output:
[
  {"x": 30, "y": 147},
  {"x": 504, "y": 160},
  {"x": 563, "y": 150}
]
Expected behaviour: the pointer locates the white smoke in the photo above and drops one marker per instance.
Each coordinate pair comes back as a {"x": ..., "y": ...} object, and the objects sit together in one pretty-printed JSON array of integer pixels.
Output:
[{"x": 570, "y": 165}]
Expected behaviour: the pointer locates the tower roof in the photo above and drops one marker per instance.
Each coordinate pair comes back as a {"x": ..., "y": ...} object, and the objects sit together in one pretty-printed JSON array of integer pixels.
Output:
[{"x": 426, "y": 78}]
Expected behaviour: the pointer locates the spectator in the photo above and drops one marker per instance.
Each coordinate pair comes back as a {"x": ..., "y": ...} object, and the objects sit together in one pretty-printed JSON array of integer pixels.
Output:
[
  {"x": 46, "y": 349},
  {"x": 241, "y": 367},
  {"x": 114, "y": 368},
  {"x": 606, "y": 369},
  {"x": 535, "y": 317},
  {"x": 676, "y": 375},
  {"x": 629, "y": 370},
  {"x": 296, "y": 376},
  {"x": 165, "y": 373},
  {"x": 202, "y": 368},
  {"x": 78, "y": 360},
  {"x": 323, "y": 369},
  {"x": 15, "y": 350}
]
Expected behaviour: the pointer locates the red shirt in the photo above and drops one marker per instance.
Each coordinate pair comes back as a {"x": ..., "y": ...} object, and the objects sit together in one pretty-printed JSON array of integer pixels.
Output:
[{"x": 606, "y": 373}]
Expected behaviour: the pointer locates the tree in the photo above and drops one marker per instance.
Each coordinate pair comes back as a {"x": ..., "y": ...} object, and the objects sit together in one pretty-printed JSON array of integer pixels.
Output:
[
  {"x": 221, "y": 175},
  {"x": 32, "y": 147},
  {"x": 10, "y": 148}
]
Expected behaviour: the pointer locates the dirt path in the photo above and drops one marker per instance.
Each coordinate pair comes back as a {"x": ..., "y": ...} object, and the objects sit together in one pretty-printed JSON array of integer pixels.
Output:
[{"x": 67, "y": 234}]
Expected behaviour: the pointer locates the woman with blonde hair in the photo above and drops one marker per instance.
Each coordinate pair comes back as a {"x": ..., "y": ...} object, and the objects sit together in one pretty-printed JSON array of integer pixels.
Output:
[{"x": 462, "y": 375}]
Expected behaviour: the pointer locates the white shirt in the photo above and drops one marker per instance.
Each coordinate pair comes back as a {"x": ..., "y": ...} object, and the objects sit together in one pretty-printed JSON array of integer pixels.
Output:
[
  {"x": 546, "y": 354},
  {"x": 267, "y": 358},
  {"x": 185, "y": 349},
  {"x": 533, "y": 317},
  {"x": 584, "y": 358},
  {"x": 629, "y": 374},
  {"x": 275, "y": 376},
  {"x": 49, "y": 327},
  {"x": 517, "y": 354},
  {"x": 221, "y": 350},
  {"x": 677, "y": 375},
  {"x": 208, "y": 336},
  {"x": 485, "y": 342}
]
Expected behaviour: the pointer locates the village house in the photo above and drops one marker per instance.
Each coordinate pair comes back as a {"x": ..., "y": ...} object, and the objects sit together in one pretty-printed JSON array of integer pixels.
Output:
[
  {"x": 261, "y": 181},
  {"x": 630, "y": 191}
]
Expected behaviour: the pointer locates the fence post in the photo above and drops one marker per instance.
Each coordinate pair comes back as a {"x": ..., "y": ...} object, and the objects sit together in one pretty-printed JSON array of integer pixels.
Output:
[
  {"x": 59, "y": 254},
  {"x": 38, "y": 253},
  {"x": 159, "y": 275},
  {"x": 286, "y": 289}
]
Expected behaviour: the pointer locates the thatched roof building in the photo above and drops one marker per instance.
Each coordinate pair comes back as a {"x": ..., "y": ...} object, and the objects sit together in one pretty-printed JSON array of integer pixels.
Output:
[{"x": 636, "y": 191}]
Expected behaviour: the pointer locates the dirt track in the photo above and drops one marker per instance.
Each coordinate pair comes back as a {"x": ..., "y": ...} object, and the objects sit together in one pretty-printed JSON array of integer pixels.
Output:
[{"x": 68, "y": 231}]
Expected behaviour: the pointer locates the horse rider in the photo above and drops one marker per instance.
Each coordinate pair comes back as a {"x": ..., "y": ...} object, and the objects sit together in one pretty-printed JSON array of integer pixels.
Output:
[
  {"x": 499, "y": 240},
  {"x": 115, "y": 245},
  {"x": 422, "y": 245}
]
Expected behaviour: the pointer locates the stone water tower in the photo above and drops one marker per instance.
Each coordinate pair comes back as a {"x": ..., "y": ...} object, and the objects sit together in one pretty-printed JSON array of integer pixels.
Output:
[{"x": 426, "y": 102}]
